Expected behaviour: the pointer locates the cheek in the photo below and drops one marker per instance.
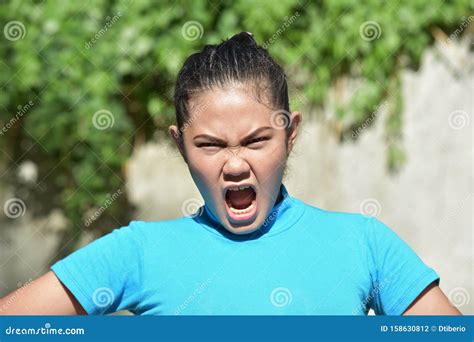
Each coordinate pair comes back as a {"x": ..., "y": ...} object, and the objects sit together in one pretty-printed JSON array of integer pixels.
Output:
[
  {"x": 273, "y": 159},
  {"x": 204, "y": 171}
]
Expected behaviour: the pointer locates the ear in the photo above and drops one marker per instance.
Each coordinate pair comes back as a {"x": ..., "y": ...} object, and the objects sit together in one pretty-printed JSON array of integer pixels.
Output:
[
  {"x": 177, "y": 138},
  {"x": 295, "y": 122}
]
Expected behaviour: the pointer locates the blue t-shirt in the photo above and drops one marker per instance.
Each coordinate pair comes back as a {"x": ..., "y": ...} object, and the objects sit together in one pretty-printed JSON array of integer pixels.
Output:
[{"x": 302, "y": 261}]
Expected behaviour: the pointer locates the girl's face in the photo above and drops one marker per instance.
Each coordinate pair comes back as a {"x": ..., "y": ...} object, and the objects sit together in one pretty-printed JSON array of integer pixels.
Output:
[{"x": 236, "y": 150}]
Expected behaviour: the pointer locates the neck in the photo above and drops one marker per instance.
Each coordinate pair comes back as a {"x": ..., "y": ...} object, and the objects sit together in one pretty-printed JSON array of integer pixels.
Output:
[{"x": 280, "y": 197}]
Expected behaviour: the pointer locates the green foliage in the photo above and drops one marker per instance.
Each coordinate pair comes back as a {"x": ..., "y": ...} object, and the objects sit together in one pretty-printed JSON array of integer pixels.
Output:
[{"x": 77, "y": 58}]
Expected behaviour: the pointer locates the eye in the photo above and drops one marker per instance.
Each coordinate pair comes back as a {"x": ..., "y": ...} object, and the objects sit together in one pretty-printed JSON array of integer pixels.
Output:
[
  {"x": 208, "y": 145},
  {"x": 255, "y": 141}
]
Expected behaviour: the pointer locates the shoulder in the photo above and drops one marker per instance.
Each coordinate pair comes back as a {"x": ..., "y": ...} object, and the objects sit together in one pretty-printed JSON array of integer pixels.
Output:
[
  {"x": 163, "y": 229},
  {"x": 335, "y": 221}
]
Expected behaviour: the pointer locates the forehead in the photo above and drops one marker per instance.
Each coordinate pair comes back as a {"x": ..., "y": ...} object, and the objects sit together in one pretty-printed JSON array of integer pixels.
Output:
[{"x": 235, "y": 107}]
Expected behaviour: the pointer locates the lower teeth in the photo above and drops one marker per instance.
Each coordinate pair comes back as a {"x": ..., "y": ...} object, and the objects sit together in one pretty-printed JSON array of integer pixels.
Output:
[{"x": 242, "y": 211}]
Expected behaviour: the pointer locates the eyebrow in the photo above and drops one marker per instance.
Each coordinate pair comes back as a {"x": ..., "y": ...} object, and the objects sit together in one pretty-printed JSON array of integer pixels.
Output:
[{"x": 249, "y": 136}]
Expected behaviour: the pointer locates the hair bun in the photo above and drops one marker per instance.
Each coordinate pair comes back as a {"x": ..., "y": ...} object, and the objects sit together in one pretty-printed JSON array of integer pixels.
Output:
[{"x": 245, "y": 38}]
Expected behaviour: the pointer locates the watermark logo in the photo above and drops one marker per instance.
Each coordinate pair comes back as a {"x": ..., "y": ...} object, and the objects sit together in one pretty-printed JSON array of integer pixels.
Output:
[
  {"x": 459, "y": 296},
  {"x": 14, "y": 30},
  {"x": 14, "y": 208},
  {"x": 103, "y": 119},
  {"x": 370, "y": 30},
  {"x": 281, "y": 119},
  {"x": 458, "y": 119},
  {"x": 192, "y": 30},
  {"x": 281, "y": 297},
  {"x": 103, "y": 297},
  {"x": 370, "y": 207},
  {"x": 192, "y": 207}
]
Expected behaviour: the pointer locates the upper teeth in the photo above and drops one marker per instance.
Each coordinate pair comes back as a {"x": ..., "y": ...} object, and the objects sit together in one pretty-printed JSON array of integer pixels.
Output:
[{"x": 236, "y": 188}]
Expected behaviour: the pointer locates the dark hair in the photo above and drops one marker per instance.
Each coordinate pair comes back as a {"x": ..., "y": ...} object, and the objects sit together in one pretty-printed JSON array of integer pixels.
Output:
[{"x": 238, "y": 59}]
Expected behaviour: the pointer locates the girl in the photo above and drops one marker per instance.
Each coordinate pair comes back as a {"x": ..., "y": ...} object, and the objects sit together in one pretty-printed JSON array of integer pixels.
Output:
[{"x": 252, "y": 249}]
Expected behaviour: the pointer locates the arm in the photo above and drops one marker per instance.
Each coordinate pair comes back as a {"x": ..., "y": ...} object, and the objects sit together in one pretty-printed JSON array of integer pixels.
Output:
[
  {"x": 44, "y": 296},
  {"x": 432, "y": 301}
]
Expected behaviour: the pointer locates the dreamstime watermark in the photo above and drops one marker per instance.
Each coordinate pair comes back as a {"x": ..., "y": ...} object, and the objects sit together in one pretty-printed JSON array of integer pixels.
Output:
[
  {"x": 370, "y": 30},
  {"x": 368, "y": 121},
  {"x": 274, "y": 214},
  {"x": 192, "y": 207},
  {"x": 465, "y": 23},
  {"x": 103, "y": 119},
  {"x": 370, "y": 207},
  {"x": 196, "y": 114},
  {"x": 22, "y": 110},
  {"x": 197, "y": 291},
  {"x": 281, "y": 297},
  {"x": 14, "y": 30},
  {"x": 454, "y": 212},
  {"x": 108, "y": 24},
  {"x": 459, "y": 296},
  {"x": 103, "y": 297},
  {"x": 281, "y": 119},
  {"x": 14, "y": 208},
  {"x": 110, "y": 199},
  {"x": 15, "y": 295},
  {"x": 192, "y": 30},
  {"x": 370, "y": 298},
  {"x": 46, "y": 330},
  {"x": 458, "y": 120},
  {"x": 288, "y": 21}
]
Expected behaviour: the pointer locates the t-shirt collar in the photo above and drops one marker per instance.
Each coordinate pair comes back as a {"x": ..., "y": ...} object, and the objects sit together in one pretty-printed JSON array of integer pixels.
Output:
[{"x": 282, "y": 217}]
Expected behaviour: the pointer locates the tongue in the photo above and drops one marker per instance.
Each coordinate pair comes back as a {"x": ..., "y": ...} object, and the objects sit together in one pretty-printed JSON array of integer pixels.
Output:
[{"x": 240, "y": 199}]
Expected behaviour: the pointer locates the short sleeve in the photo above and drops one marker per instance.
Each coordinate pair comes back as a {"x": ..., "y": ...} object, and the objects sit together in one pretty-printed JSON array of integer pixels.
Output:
[
  {"x": 105, "y": 275},
  {"x": 398, "y": 274}
]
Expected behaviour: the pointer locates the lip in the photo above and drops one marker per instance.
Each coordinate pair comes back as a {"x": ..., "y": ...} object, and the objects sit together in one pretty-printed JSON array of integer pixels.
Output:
[
  {"x": 238, "y": 218},
  {"x": 239, "y": 185}
]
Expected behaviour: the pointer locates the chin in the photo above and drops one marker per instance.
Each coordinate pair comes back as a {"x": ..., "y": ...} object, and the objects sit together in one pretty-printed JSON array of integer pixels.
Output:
[
  {"x": 242, "y": 231},
  {"x": 242, "y": 228}
]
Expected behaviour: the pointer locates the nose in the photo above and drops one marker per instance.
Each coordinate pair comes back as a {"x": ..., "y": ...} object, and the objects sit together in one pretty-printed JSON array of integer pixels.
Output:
[{"x": 235, "y": 166}]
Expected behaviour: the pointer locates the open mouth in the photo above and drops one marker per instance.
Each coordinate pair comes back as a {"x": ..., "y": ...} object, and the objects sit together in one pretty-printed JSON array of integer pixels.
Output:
[{"x": 241, "y": 202}]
